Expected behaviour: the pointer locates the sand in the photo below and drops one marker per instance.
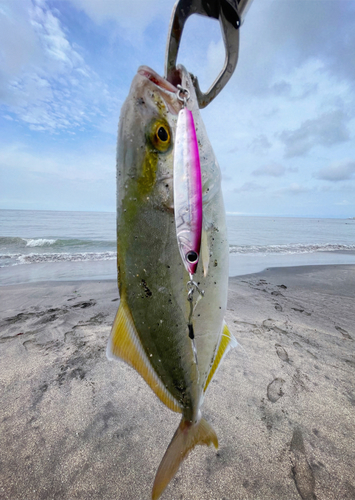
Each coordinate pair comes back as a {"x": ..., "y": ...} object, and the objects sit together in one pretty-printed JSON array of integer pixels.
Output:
[{"x": 75, "y": 426}]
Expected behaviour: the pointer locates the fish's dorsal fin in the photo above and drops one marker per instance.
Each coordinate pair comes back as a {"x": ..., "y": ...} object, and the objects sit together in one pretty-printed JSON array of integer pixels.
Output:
[
  {"x": 227, "y": 342},
  {"x": 205, "y": 252},
  {"x": 124, "y": 343}
]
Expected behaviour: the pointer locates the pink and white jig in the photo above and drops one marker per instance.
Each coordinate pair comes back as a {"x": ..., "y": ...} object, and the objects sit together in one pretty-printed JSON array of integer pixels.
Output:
[{"x": 187, "y": 189}]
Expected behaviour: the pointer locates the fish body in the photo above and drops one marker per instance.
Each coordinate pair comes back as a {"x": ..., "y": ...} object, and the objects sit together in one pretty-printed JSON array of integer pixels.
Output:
[{"x": 150, "y": 331}]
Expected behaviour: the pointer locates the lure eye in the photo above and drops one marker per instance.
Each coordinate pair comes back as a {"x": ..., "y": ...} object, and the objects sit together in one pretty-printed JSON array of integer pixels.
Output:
[
  {"x": 160, "y": 136},
  {"x": 192, "y": 257}
]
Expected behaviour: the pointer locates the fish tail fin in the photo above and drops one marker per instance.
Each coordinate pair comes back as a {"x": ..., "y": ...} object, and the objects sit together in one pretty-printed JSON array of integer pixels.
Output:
[{"x": 186, "y": 437}]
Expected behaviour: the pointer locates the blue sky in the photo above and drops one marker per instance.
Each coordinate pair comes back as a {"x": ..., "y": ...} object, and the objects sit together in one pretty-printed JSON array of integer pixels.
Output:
[{"x": 283, "y": 129}]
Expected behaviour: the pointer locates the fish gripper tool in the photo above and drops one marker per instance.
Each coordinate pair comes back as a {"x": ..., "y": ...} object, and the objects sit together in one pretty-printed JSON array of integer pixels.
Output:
[{"x": 230, "y": 14}]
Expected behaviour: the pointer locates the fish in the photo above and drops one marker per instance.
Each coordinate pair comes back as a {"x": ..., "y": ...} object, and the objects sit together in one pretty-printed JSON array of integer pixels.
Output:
[{"x": 151, "y": 328}]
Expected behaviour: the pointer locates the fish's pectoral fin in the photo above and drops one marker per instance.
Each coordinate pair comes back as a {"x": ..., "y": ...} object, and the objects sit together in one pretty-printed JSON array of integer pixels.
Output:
[
  {"x": 227, "y": 342},
  {"x": 186, "y": 437},
  {"x": 124, "y": 343},
  {"x": 205, "y": 252}
]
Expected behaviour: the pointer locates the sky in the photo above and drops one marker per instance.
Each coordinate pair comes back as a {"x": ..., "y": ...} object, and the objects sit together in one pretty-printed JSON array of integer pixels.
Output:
[{"x": 283, "y": 129}]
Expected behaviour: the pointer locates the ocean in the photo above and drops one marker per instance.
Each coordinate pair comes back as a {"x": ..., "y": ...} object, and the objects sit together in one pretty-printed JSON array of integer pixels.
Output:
[{"x": 40, "y": 245}]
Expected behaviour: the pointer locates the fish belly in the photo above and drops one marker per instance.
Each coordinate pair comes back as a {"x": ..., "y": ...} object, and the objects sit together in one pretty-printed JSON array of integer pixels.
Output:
[{"x": 153, "y": 280}]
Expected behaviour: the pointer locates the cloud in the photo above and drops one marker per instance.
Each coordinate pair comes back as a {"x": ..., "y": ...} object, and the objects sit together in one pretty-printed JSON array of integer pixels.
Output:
[
  {"x": 226, "y": 178},
  {"x": 133, "y": 16},
  {"x": 272, "y": 169},
  {"x": 19, "y": 45},
  {"x": 247, "y": 187},
  {"x": 62, "y": 180},
  {"x": 279, "y": 36},
  {"x": 293, "y": 189},
  {"x": 344, "y": 203},
  {"x": 281, "y": 88},
  {"x": 45, "y": 80},
  {"x": 300, "y": 32},
  {"x": 336, "y": 172},
  {"x": 87, "y": 165},
  {"x": 326, "y": 130},
  {"x": 260, "y": 143},
  {"x": 65, "y": 66}
]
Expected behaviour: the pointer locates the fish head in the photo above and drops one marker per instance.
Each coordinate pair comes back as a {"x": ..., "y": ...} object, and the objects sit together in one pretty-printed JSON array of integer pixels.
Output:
[
  {"x": 145, "y": 140},
  {"x": 146, "y": 137}
]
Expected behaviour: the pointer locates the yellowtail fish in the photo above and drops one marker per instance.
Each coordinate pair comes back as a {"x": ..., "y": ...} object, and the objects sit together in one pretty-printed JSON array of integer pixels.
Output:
[{"x": 151, "y": 331}]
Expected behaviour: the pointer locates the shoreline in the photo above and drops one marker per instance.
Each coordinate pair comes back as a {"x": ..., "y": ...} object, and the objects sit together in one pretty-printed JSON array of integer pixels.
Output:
[
  {"x": 31, "y": 273},
  {"x": 74, "y": 425},
  {"x": 239, "y": 265}
]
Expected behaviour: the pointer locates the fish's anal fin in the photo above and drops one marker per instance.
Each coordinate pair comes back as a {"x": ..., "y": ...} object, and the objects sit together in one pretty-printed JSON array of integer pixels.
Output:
[
  {"x": 124, "y": 343},
  {"x": 205, "y": 252},
  {"x": 227, "y": 342},
  {"x": 186, "y": 437}
]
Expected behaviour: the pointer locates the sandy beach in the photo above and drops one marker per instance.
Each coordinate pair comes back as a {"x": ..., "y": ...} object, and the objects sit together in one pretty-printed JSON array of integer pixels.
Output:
[{"x": 76, "y": 426}]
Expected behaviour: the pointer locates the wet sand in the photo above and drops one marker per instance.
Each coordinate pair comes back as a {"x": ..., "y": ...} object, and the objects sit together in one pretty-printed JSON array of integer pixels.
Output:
[{"x": 75, "y": 426}]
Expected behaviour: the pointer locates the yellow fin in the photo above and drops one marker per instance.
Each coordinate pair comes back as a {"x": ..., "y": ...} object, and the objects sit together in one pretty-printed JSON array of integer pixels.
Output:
[
  {"x": 186, "y": 437},
  {"x": 226, "y": 342},
  {"x": 205, "y": 252},
  {"x": 125, "y": 343}
]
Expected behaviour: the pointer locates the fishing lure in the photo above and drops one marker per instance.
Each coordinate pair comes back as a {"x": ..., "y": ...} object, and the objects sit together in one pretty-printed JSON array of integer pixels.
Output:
[
  {"x": 188, "y": 201},
  {"x": 187, "y": 188}
]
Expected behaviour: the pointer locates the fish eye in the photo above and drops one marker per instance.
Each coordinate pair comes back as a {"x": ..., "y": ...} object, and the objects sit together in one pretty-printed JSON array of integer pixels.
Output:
[
  {"x": 163, "y": 134},
  {"x": 160, "y": 136}
]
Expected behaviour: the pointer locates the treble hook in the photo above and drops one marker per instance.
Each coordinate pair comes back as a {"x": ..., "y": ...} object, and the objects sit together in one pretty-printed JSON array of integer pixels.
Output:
[{"x": 191, "y": 286}]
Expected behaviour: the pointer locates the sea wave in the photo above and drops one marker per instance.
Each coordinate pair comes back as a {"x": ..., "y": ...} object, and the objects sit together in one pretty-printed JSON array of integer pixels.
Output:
[
  {"x": 6, "y": 241},
  {"x": 289, "y": 249},
  {"x": 39, "y": 242},
  {"x": 18, "y": 258},
  {"x": 16, "y": 243},
  {"x": 35, "y": 258}
]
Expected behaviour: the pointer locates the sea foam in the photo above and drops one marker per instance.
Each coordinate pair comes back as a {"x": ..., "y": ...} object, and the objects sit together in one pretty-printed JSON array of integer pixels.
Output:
[{"x": 39, "y": 242}]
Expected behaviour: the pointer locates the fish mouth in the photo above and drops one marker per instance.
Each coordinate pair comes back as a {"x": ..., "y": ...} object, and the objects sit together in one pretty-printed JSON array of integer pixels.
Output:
[{"x": 157, "y": 79}]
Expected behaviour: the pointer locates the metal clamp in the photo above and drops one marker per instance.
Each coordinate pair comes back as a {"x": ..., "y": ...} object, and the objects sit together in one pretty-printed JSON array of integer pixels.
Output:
[{"x": 230, "y": 15}]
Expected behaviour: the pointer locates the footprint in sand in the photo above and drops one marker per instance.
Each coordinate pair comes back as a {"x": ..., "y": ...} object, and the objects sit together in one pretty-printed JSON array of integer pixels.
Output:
[
  {"x": 343, "y": 332},
  {"x": 301, "y": 470},
  {"x": 282, "y": 353},
  {"x": 274, "y": 390},
  {"x": 301, "y": 311},
  {"x": 271, "y": 324}
]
